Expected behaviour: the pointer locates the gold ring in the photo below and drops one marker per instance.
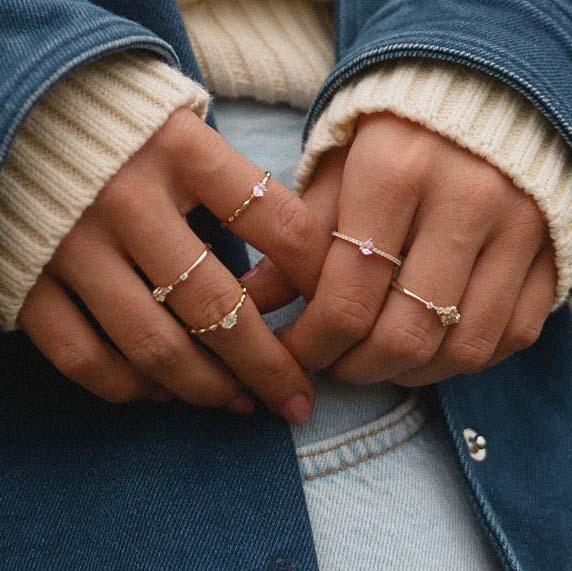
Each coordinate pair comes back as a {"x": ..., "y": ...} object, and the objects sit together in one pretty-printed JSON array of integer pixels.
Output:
[
  {"x": 160, "y": 293},
  {"x": 367, "y": 247},
  {"x": 228, "y": 321},
  {"x": 258, "y": 191},
  {"x": 449, "y": 314}
]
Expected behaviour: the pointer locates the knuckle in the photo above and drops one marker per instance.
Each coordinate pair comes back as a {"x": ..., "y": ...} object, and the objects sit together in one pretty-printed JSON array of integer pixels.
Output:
[
  {"x": 527, "y": 220},
  {"x": 76, "y": 362},
  {"x": 523, "y": 337},
  {"x": 294, "y": 221},
  {"x": 121, "y": 393},
  {"x": 411, "y": 343},
  {"x": 154, "y": 350},
  {"x": 402, "y": 172},
  {"x": 471, "y": 354},
  {"x": 349, "y": 315}
]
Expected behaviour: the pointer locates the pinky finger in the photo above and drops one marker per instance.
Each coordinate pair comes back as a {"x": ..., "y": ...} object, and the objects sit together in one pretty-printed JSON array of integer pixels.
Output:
[
  {"x": 65, "y": 337},
  {"x": 531, "y": 310}
]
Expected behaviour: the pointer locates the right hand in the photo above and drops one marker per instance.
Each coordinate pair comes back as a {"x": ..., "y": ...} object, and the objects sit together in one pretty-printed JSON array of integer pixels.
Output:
[{"x": 137, "y": 221}]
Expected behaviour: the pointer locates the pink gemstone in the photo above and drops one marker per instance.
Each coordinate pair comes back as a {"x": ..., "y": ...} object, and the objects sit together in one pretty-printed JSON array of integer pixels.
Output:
[
  {"x": 367, "y": 247},
  {"x": 259, "y": 189}
]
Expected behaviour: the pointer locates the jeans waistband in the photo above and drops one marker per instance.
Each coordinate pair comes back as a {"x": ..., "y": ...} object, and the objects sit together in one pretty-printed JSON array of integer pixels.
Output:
[{"x": 369, "y": 441}]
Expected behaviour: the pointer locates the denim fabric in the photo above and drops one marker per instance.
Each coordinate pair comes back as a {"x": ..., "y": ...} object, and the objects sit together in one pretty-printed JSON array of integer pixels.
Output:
[
  {"x": 89, "y": 485},
  {"x": 525, "y": 43},
  {"x": 382, "y": 485},
  {"x": 390, "y": 495}
]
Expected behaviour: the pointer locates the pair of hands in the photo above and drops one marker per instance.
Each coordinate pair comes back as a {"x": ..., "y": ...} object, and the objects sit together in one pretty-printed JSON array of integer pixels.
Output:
[{"x": 469, "y": 236}]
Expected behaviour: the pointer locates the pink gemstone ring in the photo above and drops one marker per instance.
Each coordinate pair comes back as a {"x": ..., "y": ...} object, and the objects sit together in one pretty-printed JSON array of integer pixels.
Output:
[
  {"x": 258, "y": 191},
  {"x": 367, "y": 248}
]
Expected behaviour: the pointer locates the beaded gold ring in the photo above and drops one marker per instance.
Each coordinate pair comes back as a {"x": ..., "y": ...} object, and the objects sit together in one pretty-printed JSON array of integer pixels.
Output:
[
  {"x": 228, "y": 321},
  {"x": 258, "y": 191}
]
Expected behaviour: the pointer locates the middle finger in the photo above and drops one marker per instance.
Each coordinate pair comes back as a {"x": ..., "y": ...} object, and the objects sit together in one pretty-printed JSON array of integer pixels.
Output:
[{"x": 162, "y": 244}]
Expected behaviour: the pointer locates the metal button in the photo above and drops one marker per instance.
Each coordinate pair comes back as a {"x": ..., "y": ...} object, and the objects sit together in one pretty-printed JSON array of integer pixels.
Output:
[{"x": 476, "y": 443}]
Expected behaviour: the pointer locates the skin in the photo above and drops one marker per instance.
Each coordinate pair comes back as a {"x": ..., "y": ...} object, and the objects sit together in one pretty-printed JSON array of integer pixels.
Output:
[
  {"x": 138, "y": 221},
  {"x": 470, "y": 238}
]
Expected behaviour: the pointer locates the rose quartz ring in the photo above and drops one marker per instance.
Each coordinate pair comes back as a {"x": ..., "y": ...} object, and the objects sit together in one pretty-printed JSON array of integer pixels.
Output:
[
  {"x": 258, "y": 191},
  {"x": 367, "y": 248}
]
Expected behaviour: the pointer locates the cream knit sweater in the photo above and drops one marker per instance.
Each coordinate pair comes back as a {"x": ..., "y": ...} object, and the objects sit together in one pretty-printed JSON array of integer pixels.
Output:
[{"x": 89, "y": 125}]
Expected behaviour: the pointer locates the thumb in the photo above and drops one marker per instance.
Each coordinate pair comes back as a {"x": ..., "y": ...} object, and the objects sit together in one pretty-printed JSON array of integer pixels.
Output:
[{"x": 268, "y": 287}]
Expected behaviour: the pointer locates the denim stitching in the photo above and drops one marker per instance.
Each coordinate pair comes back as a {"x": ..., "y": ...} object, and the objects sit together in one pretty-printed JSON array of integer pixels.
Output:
[
  {"x": 366, "y": 458},
  {"x": 373, "y": 432}
]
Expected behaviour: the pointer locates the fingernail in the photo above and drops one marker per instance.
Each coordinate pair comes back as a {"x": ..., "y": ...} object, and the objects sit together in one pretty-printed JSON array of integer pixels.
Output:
[
  {"x": 297, "y": 410},
  {"x": 253, "y": 271},
  {"x": 162, "y": 395},
  {"x": 243, "y": 405}
]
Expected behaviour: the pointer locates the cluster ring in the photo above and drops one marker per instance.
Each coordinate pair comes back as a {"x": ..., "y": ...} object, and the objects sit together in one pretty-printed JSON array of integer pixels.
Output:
[
  {"x": 448, "y": 314},
  {"x": 227, "y": 321},
  {"x": 160, "y": 293},
  {"x": 258, "y": 191}
]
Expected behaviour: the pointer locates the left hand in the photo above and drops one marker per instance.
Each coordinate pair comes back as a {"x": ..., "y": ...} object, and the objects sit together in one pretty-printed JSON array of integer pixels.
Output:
[{"x": 470, "y": 239}]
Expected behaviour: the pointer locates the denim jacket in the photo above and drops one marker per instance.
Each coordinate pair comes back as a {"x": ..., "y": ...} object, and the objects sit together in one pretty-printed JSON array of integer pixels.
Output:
[{"x": 88, "y": 485}]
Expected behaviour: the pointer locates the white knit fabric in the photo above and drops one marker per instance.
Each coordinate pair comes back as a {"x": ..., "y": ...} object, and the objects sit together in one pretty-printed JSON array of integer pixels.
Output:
[
  {"x": 75, "y": 140},
  {"x": 274, "y": 51},
  {"x": 478, "y": 113}
]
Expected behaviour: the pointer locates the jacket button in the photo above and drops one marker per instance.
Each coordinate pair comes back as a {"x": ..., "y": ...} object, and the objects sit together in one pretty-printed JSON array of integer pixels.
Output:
[{"x": 476, "y": 444}]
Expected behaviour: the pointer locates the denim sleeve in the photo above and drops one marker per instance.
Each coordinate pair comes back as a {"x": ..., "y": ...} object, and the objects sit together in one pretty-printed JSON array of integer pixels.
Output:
[
  {"x": 41, "y": 42},
  {"x": 527, "y": 44}
]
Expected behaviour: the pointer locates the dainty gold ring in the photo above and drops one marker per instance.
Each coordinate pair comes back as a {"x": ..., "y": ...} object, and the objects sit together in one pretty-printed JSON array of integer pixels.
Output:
[
  {"x": 258, "y": 191},
  {"x": 160, "y": 293},
  {"x": 367, "y": 247},
  {"x": 228, "y": 321},
  {"x": 449, "y": 314}
]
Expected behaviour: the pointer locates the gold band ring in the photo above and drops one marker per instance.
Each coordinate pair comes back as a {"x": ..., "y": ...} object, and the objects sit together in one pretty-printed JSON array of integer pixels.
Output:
[
  {"x": 258, "y": 191},
  {"x": 160, "y": 293},
  {"x": 228, "y": 321},
  {"x": 367, "y": 248},
  {"x": 449, "y": 314}
]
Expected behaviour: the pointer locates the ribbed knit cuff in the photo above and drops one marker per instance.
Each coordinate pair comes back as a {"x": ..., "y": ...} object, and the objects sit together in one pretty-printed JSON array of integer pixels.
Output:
[
  {"x": 72, "y": 143},
  {"x": 478, "y": 113}
]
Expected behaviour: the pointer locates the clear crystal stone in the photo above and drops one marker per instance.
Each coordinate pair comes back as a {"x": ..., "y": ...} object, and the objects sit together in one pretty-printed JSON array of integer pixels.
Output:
[
  {"x": 367, "y": 247},
  {"x": 160, "y": 293},
  {"x": 259, "y": 189},
  {"x": 229, "y": 321},
  {"x": 449, "y": 315}
]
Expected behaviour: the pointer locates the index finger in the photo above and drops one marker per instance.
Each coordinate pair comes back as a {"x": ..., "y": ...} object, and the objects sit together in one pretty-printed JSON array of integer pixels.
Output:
[{"x": 277, "y": 223}]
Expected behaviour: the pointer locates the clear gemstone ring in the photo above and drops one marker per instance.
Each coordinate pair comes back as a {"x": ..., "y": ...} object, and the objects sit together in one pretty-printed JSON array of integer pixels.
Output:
[
  {"x": 160, "y": 293},
  {"x": 449, "y": 314},
  {"x": 228, "y": 321},
  {"x": 258, "y": 191},
  {"x": 367, "y": 247}
]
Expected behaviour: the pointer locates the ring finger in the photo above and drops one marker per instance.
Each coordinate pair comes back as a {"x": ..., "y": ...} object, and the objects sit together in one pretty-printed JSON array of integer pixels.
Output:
[{"x": 145, "y": 333}]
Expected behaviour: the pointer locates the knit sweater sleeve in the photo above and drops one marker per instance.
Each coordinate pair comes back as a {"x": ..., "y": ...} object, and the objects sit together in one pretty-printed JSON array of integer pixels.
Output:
[
  {"x": 477, "y": 112},
  {"x": 68, "y": 148}
]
